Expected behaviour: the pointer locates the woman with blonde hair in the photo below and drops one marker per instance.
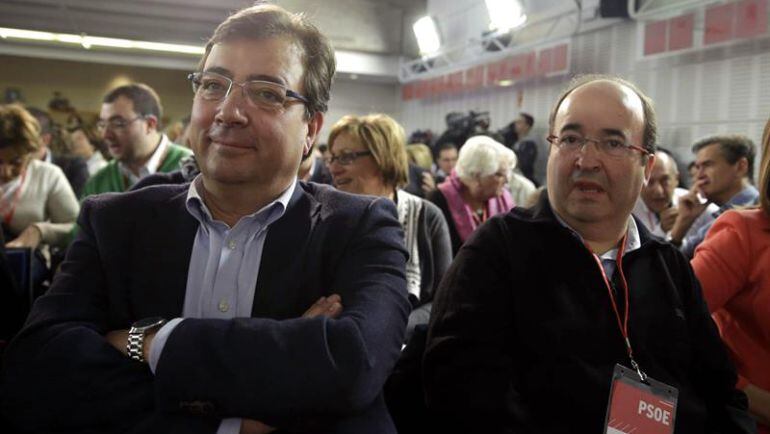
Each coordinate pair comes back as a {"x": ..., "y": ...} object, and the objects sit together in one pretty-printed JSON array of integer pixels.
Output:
[
  {"x": 732, "y": 265},
  {"x": 37, "y": 204},
  {"x": 367, "y": 155}
]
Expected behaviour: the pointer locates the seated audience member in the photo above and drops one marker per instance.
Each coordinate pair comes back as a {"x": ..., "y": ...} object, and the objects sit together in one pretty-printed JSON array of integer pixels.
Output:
[
  {"x": 37, "y": 204},
  {"x": 419, "y": 155},
  {"x": 657, "y": 206},
  {"x": 286, "y": 302},
  {"x": 368, "y": 156},
  {"x": 520, "y": 187},
  {"x": 446, "y": 159},
  {"x": 475, "y": 190},
  {"x": 313, "y": 168},
  {"x": 526, "y": 147},
  {"x": 129, "y": 121},
  {"x": 542, "y": 304},
  {"x": 725, "y": 172},
  {"x": 74, "y": 167},
  {"x": 84, "y": 141},
  {"x": 732, "y": 265}
]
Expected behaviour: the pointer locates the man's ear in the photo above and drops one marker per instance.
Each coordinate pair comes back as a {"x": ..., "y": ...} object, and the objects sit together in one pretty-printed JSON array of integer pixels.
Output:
[
  {"x": 743, "y": 167},
  {"x": 152, "y": 122},
  {"x": 648, "y": 167},
  {"x": 313, "y": 129}
]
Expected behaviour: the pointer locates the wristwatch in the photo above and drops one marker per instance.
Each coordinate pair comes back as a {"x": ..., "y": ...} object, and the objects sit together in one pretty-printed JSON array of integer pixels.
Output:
[{"x": 135, "y": 345}]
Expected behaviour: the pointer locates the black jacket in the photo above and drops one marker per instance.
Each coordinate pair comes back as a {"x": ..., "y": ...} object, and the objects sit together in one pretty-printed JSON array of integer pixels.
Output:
[
  {"x": 130, "y": 261},
  {"x": 523, "y": 337}
]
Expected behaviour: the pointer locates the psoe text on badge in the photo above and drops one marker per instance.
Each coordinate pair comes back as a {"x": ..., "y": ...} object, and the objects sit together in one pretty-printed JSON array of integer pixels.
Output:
[{"x": 655, "y": 413}]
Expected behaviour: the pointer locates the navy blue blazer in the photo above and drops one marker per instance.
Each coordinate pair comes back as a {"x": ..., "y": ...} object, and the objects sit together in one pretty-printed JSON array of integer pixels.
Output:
[{"x": 130, "y": 261}]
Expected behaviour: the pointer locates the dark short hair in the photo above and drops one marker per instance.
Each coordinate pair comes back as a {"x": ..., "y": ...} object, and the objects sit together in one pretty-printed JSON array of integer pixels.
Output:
[
  {"x": 263, "y": 21},
  {"x": 733, "y": 147},
  {"x": 145, "y": 99},
  {"x": 528, "y": 118},
  {"x": 43, "y": 119},
  {"x": 650, "y": 132},
  {"x": 443, "y": 147}
]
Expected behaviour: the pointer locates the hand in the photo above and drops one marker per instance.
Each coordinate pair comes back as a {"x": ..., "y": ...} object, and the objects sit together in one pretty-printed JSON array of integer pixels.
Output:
[
  {"x": 428, "y": 183},
  {"x": 330, "y": 307},
  {"x": 249, "y": 426},
  {"x": 119, "y": 340},
  {"x": 668, "y": 218},
  {"x": 689, "y": 208},
  {"x": 29, "y": 237}
]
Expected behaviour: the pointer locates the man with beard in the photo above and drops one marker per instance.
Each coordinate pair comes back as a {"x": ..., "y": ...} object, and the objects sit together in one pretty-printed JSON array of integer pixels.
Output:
[{"x": 130, "y": 121}]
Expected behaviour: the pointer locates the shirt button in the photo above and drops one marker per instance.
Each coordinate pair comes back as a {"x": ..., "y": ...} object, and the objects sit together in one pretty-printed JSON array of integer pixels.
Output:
[
  {"x": 231, "y": 244},
  {"x": 224, "y": 306}
]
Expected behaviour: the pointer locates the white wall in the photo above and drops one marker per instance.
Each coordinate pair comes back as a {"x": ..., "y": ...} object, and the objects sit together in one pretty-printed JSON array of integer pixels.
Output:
[
  {"x": 719, "y": 90},
  {"x": 357, "y": 98}
]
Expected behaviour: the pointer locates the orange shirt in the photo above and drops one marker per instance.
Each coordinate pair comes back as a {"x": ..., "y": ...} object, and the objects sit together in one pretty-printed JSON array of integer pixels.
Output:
[{"x": 733, "y": 267}]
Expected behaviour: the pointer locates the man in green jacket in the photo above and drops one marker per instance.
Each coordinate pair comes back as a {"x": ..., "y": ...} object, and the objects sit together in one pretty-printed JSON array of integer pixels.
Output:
[{"x": 129, "y": 121}]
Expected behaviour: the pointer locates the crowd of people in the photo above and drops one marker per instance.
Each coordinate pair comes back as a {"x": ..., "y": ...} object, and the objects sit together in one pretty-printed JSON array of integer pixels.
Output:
[{"x": 256, "y": 277}]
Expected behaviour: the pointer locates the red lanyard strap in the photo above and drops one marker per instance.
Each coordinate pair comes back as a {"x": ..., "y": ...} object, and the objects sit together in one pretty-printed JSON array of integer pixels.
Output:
[{"x": 622, "y": 324}]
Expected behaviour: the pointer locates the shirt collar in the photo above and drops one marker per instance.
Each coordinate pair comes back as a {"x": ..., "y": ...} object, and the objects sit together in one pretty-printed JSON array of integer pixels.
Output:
[
  {"x": 633, "y": 241},
  {"x": 151, "y": 166},
  {"x": 747, "y": 196},
  {"x": 267, "y": 215}
]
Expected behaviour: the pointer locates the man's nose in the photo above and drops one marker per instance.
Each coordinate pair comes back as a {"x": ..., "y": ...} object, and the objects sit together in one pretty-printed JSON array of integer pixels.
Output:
[
  {"x": 232, "y": 109},
  {"x": 588, "y": 156}
]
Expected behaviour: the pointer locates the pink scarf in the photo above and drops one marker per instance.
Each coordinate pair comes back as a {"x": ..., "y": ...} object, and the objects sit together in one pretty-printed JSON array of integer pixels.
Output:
[{"x": 462, "y": 214}]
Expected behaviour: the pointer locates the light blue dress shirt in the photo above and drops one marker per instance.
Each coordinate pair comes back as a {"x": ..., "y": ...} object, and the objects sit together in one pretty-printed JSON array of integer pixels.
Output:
[
  {"x": 224, "y": 266},
  {"x": 748, "y": 196}
]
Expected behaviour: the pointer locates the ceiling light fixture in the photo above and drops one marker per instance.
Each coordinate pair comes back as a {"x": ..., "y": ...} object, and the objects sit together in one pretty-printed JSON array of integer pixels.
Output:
[
  {"x": 427, "y": 35},
  {"x": 505, "y": 15},
  {"x": 97, "y": 41}
]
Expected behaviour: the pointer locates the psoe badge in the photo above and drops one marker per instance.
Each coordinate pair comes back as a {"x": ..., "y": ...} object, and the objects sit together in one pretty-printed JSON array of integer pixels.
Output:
[{"x": 638, "y": 407}]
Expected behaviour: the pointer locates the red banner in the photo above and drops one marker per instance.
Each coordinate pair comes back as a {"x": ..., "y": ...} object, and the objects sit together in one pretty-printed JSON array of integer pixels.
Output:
[
  {"x": 680, "y": 32},
  {"x": 407, "y": 91},
  {"x": 544, "y": 61},
  {"x": 752, "y": 18},
  {"x": 655, "y": 37},
  {"x": 719, "y": 24},
  {"x": 559, "y": 58}
]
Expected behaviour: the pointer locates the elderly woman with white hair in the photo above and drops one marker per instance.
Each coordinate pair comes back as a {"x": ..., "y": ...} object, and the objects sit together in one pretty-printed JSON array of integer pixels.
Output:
[{"x": 475, "y": 190}]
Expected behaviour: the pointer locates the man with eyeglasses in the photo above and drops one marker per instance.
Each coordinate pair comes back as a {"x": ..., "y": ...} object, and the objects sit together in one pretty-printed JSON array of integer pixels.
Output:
[
  {"x": 130, "y": 123},
  {"x": 244, "y": 301},
  {"x": 569, "y": 316}
]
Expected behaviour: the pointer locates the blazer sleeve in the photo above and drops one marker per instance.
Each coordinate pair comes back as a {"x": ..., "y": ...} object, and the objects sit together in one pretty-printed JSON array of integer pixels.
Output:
[
  {"x": 271, "y": 370},
  {"x": 467, "y": 366},
  {"x": 60, "y": 374}
]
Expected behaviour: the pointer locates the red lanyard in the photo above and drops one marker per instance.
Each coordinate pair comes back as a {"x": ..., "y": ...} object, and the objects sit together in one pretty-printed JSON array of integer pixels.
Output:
[
  {"x": 9, "y": 216},
  {"x": 622, "y": 324}
]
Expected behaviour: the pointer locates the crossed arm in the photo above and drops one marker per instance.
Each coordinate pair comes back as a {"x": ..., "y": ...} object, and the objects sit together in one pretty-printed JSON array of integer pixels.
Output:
[{"x": 61, "y": 371}]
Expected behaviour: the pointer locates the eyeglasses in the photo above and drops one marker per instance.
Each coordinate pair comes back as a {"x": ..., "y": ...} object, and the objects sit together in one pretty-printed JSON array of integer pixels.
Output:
[
  {"x": 264, "y": 94},
  {"x": 344, "y": 158},
  {"x": 611, "y": 146},
  {"x": 116, "y": 123}
]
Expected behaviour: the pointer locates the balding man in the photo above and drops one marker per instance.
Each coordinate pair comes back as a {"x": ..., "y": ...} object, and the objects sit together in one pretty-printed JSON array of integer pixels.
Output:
[
  {"x": 657, "y": 206},
  {"x": 555, "y": 317}
]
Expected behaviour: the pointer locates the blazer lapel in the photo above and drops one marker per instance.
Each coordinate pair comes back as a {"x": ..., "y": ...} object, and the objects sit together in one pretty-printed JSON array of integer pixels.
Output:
[
  {"x": 284, "y": 258},
  {"x": 164, "y": 258}
]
